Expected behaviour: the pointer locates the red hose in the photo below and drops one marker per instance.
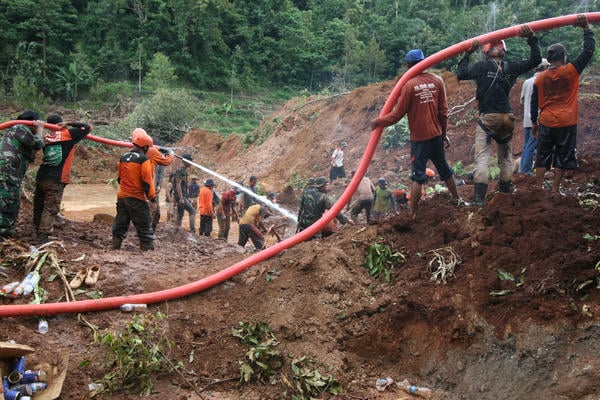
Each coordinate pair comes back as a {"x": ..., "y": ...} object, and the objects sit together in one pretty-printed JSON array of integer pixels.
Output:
[{"x": 210, "y": 281}]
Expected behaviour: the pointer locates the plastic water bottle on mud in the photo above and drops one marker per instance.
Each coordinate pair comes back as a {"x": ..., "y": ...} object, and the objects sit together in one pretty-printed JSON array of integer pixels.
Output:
[
  {"x": 9, "y": 287},
  {"x": 27, "y": 285},
  {"x": 383, "y": 383},
  {"x": 133, "y": 307},
  {"x": 416, "y": 390},
  {"x": 43, "y": 326}
]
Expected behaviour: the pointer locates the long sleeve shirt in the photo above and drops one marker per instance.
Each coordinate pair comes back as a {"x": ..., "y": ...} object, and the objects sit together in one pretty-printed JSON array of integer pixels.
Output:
[
  {"x": 494, "y": 79},
  {"x": 136, "y": 176}
]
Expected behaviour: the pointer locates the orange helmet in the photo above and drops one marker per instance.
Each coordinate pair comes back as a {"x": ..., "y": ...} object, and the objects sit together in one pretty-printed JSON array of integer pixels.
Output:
[
  {"x": 429, "y": 172},
  {"x": 499, "y": 45},
  {"x": 140, "y": 138}
]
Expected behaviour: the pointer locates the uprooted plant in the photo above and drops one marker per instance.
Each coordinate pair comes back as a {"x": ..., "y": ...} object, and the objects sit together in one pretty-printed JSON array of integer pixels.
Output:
[
  {"x": 263, "y": 363},
  {"x": 137, "y": 352},
  {"x": 443, "y": 264},
  {"x": 380, "y": 259}
]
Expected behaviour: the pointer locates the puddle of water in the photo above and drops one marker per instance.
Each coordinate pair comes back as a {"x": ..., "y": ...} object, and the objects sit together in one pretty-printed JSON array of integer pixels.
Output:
[{"x": 82, "y": 202}]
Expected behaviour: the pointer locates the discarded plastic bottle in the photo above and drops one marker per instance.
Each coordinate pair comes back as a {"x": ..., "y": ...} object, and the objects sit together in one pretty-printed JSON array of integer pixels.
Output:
[
  {"x": 9, "y": 287},
  {"x": 34, "y": 251},
  {"x": 27, "y": 389},
  {"x": 31, "y": 285},
  {"x": 33, "y": 376},
  {"x": 21, "y": 288},
  {"x": 133, "y": 307},
  {"x": 416, "y": 390},
  {"x": 95, "y": 387},
  {"x": 383, "y": 383},
  {"x": 43, "y": 328}
]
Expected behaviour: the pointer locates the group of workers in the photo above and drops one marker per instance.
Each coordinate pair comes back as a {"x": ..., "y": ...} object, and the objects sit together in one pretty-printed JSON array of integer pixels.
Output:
[{"x": 552, "y": 110}]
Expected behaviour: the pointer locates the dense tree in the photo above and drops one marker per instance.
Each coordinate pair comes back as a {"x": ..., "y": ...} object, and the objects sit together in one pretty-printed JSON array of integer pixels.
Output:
[{"x": 240, "y": 45}]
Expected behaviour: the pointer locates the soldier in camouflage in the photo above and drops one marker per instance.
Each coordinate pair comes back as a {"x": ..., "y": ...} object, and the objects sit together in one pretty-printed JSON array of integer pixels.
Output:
[
  {"x": 18, "y": 147},
  {"x": 313, "y": 205}
]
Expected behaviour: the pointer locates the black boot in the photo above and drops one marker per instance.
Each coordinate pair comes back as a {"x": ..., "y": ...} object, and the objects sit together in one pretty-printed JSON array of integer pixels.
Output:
[
  {"x": 505, "y": 186},
  {"x": 480, "y": 190}
]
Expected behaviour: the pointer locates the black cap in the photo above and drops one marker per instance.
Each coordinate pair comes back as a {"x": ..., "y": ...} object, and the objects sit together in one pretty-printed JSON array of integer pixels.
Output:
[
  {"x": 29, "y": 115},
  {"x": 54, "y": 119}
]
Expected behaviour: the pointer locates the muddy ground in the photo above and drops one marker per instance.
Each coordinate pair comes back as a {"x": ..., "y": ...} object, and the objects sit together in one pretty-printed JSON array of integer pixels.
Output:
[{"x": 474, "y": 337}]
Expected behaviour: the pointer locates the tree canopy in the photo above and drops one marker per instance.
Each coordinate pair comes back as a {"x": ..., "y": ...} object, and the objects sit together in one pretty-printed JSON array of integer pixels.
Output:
[{"x": 65, "y": 47}]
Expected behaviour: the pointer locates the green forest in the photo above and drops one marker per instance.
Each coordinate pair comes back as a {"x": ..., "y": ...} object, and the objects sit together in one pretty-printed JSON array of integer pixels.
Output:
[{"x": 94, "y": 49}]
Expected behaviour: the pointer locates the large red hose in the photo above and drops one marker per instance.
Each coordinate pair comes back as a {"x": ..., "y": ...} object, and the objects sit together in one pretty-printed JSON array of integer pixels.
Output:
[{"x": 210, "y": 281}]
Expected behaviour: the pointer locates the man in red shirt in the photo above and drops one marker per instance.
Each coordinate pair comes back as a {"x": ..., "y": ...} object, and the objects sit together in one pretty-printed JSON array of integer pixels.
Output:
[
  {"x": 136, "y": 189},
  {"x": 225, "y": 209},
  {"x": 423, "y": 99},
  {"x": 555, "y": 94},
  {"x": 55, "y": 172}
]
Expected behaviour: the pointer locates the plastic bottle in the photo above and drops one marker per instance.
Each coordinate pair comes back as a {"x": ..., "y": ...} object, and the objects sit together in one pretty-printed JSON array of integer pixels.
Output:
[
  {"x": 33, "y": 376},
  {"x": 21, "y": 288},
  {"x": 416, "y": 390},
  {"x": 9, "y": 287},
  {"x": 27, "y": 389},
  {"x": 383, "y": 383},
  {"x": 43, "y": 327},
  {"x": 95, "y": 387},
  {"x": 31, "y": 285},
  {"x": 133, "y": 307}
]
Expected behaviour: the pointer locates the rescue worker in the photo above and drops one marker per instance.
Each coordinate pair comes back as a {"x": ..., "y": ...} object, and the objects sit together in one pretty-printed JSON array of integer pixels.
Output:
[
  {"x": 494, "y": 78},
  {"x": 225, "y": 210},
  {"x": 180, "y": 194},
  {"x": 136, "y": 190},
  {"x": 55, "y": 172},
  {"x": 314, "y": 203},
  {"x": 383, "y": 200},
  {"x": 160, "y": 158},
  {"x": 18, "y": 147},
  {"x": 250, "y": 224},
  {"x": 205, "y": 207},
  {"x": 247, "y": 200}
]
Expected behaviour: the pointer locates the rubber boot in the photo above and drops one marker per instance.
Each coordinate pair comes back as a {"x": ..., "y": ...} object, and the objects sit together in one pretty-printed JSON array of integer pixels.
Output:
[
  {"x": 116, "y": 244},
  {"x": 480, "y": 189},
  {"x": 192, "y": 223},
  {"x": 145, "y": 246},
  {"x": 505, "y": 186}
]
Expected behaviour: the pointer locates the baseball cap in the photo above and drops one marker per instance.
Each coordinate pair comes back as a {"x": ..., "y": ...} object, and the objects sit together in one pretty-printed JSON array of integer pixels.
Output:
[{"x": 414, "y": 55}]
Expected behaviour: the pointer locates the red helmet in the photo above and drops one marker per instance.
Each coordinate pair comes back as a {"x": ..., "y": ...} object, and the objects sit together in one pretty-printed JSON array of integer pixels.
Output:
[
  {"x": 499, "y": 45},
  {"x": 140, "y": 138}
]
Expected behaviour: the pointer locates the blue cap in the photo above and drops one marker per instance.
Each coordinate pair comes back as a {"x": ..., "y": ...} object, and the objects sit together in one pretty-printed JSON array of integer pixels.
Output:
[
  {"x": 414, "y": 56},
  {"x": 209, "y": 182}
]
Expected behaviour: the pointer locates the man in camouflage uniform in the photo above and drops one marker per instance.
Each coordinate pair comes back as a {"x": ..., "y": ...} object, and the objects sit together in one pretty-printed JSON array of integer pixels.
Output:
[
  {"x": 17, "y": 147},
  {"x": 180, "y": 194},
  {"x": 313, "y": 205}
]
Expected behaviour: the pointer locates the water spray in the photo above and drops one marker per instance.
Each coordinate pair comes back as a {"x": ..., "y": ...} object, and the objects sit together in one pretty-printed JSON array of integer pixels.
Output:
[{"x": 242, "y": 188}]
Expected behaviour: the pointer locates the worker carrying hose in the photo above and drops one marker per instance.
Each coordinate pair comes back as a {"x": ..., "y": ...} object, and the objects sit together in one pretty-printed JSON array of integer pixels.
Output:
[
  {"x": 555, "y": 93},
  {"x": 423, "y": 99},
  {"x": 495, "y": 77},
  {"x": 136, "y": 190}
]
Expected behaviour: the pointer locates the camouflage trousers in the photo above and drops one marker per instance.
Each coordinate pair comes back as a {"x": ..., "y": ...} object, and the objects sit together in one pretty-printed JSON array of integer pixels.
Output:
[
  {"x": 10, "y": 202},
  {"x": 46, "y": 204}
]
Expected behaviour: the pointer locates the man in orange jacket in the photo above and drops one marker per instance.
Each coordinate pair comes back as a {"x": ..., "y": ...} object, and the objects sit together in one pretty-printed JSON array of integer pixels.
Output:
[
  {"x": 205, "y": 207},
  {"x": 136, "y": 190}
]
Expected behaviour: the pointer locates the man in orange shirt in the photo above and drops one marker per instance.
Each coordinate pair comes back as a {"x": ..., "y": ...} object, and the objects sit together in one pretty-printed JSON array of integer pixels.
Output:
[
  {"x": 136, "y": 190},
  {"x": 205, "y": 207},
  {"x": 423, "y": 99},
  {"x": 555, "y": 94}
]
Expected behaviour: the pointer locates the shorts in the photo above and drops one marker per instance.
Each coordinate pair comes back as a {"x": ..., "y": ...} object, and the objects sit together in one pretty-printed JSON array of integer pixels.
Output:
[
  {"x": 557, "y": 147},
  {"x": 421, "y": 152},
  {"x": 337, "y": 172}
]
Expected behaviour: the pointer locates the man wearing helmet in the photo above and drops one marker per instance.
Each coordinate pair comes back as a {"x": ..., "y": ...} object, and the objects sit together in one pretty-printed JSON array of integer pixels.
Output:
[
  {"x": 136, "y": 190},
  {"x": 494, "y": 77},
  {"x": 555, "y": 94},
  {"x": 423, "y": 99}
]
